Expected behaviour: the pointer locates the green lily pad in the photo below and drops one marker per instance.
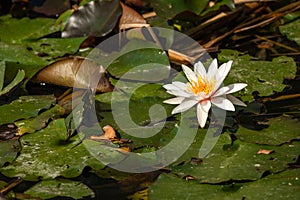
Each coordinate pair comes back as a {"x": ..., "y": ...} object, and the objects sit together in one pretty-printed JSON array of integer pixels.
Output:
[
  {"x": 2, "y": 74},
  {"x": 281, "y": 130},
  {"x": 16, "y": 31},
  {"x": 64, "y": 188},
  {"x": 56, "y": 47},
  {"x": 18, "y": 78},
  {"x": 239, "y": 161},
  {"x": 138, "y": 118},
  {"x": 291, "y": 30},
  {"x": 134, "y": 91},
  {"x": 39, "y": 122},
  {"x": 18, "y": 53},
  {"x": 170, "y": 8},
  {"x": 46, "y": 154},
  {"x": 134, "y": 101},
  {"x": 143, "y": 65},
  {"x": 15, "y": 81},
  {"x": 18, "y": 58},
  {"x": 25, "y": 107},
  {"x": 8, "y": 151},
  {"x": 262, "y": 76},
  {"x": 22, "y": 48},
  {"x": 284, "y": 185}
]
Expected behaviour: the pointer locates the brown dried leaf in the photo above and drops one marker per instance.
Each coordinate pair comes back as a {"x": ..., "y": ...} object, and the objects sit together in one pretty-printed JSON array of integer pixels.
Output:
[
  {"x": 265, "y": 151},
  {"x": 109, "y": 132},
  {"x": 124, "y": 149},
  {"x": 75, "y": 72},
  {"x": 131, "y": 19}
]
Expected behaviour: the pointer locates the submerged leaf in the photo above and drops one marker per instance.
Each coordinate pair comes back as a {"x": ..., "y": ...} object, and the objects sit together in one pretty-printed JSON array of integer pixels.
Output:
[
  {"x": 96, "y": 18},
  {"x": 75, "y": 72}
]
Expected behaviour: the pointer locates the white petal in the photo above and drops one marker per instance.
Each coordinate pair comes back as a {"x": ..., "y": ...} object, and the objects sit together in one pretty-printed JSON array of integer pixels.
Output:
[
  {"x": 176, "y": 100},
  {"x": 223, "y": 103},
  {"x": 199, "y": 69},
  {"x": 185, "y": 105},
  {"x": 235, "y": 87},
  {"x": 180, "y": 85},
  {"x": 179, "y": 93},
  {"x": 171, "y": 87},
  {"x": 222, "y": 73},
  {"x": 221, "y": 91},
  {"x": 212, "y": 70},
  {"x": 202, "y": 112},
  {"x": 235, "y": 101},
  {"x": 224, "y": 69},
  {"x": 189, "y": 74}
]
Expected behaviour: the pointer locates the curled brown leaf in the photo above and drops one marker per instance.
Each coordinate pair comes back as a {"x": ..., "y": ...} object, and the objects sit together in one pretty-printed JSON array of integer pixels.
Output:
[
  {"x": 131, "y": 19},
  {"x": 75, "y": 72}
]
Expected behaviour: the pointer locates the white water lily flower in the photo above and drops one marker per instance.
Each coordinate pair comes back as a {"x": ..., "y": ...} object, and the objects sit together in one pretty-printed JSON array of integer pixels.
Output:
[{"x": 203, "y": 89}]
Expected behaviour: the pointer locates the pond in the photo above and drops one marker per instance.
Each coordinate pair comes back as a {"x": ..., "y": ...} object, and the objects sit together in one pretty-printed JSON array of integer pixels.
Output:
[{"x": 155, "y": 99}]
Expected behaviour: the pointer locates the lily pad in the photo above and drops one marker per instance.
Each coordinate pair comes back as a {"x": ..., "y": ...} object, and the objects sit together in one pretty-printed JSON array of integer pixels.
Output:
[
  {"x": 39, "y": 122},
  {"x": 284, "y": 185},
  {"x": 170, "y": 8},
  {"x": 63, "y": 188},
  {"x": 17, "y": 31},
  {"x": 139, "y": 118},
  {"x": 133, "y": 91},
  {"x": 46, "y": 154},
  {"x": 17, "y": 79},
  {"x": 143, "y": 65},
  {"x": 21, "y": 46},
  {"x": 25, "y": 107},
  {"x": 239, "y": 161},
  {"x": 51, "y": 48},
  {"x": 17, "y": 53},
  {"x": 291, "y": 30},
  {"x": 8, "y": 151},
  {"x": 262, "y": 76},
  {"x": 281, "y": 130}
]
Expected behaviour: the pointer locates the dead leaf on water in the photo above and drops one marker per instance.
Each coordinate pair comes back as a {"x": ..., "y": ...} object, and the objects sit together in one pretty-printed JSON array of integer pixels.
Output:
[
  {"x": 131, "y": 19},
  {"x": 75, "y": 72},
  {"x": 265, "y": 151}
]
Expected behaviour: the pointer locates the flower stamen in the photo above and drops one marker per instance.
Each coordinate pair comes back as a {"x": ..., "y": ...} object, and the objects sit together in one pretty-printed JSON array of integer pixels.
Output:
[{"x": 200, "y": 86}]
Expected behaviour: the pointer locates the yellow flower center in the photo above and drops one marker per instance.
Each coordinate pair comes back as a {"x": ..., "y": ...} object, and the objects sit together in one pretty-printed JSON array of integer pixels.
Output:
[{"x": 201, "y": 86}]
